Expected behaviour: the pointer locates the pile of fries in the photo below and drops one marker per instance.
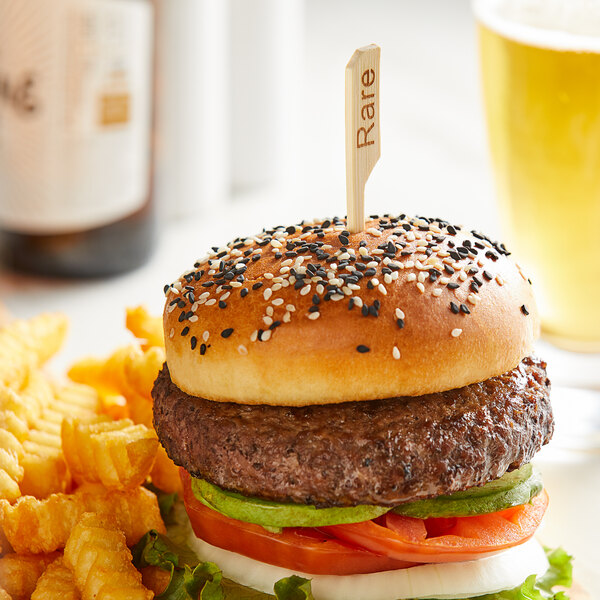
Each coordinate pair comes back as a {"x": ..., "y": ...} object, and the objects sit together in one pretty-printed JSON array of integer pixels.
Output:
[{"x": 74, "y": 459}]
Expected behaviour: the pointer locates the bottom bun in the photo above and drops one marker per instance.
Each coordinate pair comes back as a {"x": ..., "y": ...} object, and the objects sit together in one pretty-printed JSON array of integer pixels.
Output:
[{"x": 505, "y": 570}]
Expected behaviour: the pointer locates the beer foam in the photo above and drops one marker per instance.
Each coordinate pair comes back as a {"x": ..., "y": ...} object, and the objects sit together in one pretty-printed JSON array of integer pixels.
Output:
[{"x": 571, "y": 25}]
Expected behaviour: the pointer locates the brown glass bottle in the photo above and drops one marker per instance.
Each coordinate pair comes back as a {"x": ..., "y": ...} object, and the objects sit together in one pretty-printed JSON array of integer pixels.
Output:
[{"x": 76, "y": 136}]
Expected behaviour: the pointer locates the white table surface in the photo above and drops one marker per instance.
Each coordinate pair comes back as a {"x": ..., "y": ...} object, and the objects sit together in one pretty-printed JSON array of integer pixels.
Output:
[{"x": 434, "y": 160}]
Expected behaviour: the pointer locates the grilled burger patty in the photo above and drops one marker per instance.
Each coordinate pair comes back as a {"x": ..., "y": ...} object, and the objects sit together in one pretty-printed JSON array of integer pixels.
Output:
[{"x": 382, "y": 452}]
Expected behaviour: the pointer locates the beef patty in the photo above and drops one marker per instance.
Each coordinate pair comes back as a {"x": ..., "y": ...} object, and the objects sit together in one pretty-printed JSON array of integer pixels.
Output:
[{"x": 382, "y": 452}]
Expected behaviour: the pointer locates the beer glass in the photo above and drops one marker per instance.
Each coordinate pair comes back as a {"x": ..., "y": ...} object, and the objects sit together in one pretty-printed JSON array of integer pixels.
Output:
[{"x": 540, "y": 63}]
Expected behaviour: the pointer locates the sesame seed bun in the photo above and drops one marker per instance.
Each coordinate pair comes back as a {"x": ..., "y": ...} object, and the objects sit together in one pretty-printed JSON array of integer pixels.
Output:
[{"x": 411, "y": 307}]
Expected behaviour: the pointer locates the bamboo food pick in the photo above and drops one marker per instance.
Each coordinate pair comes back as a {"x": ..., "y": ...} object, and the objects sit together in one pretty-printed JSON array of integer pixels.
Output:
[{"x": 362, "y": 129}]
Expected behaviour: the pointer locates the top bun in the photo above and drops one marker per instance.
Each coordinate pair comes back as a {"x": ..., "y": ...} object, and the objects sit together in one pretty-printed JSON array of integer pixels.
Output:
[{"x": 311, "y": 314}]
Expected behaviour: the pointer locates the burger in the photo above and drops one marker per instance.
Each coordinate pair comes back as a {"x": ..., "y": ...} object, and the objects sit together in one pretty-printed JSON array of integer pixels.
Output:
[{"x": 360, "y": 410}]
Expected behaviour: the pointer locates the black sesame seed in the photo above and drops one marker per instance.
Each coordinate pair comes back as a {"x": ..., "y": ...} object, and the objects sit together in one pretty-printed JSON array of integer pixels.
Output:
[
  {"x": 256, "y": 257},
  {"x": 208, "y": 283},
  {"x": 244, "y": 292},
  {"x": 185, "y": 331},
  {"x": 222, "y": 304},
  {"x": 453, "y": 286},
  {"x": 193, "y": 342},
  {"x": 274, "y": 325},
  {"x": 227, "y": 332},
  {"x": 474, "y": 287},
  {"x": 465, "y": 309},
  {"x": 202, "y": 349},
  {"x": 487, "y": 275},
  {"x": 313, "y": 309},
  {"x": 454, "y": 308},
  {"x": 291, "y": 230},
  {"x": 257, "y": 285},
  {"x": 524, "y": 310},
  {"x": 181, "y": 316},
  {"x": 316, "y": 299},
  {"x": 362, "y": 348},
  {"x": 351, "y": 304},
  {"x": 373, "y": 311},
  {"x": 400, "y": 323},
  {"x": 365, "y": 310},
  {"x": 166, "y": 288}
]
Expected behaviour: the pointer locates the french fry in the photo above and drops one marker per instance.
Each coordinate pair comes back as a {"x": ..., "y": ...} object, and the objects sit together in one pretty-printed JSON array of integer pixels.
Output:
[
  {"x": 36, "y": 526},
  {"x": 145, "y": 327},
  {"x": 97, "y": 553},
  {"x": 19, "y": 574},
  {"x": 117, "y": 454},
  {"x": 56, "y": 583},
  {"x": 11, "y": 471},
  {"x": 165, "y": 473},
  {"x": 29, "y": 343}
]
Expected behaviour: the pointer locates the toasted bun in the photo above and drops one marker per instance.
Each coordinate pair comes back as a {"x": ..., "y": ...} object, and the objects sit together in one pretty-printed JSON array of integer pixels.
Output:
[{"x": 244, "y": 332}]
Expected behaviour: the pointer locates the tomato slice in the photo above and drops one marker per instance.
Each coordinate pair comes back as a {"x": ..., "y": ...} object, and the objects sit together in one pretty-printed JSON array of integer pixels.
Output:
[
  {"x": 303, "y": 549},
  {"x": 445, "y": 539}
]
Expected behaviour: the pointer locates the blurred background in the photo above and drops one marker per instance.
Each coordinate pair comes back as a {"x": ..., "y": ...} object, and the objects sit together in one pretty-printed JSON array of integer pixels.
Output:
[{"x": 219, "y": 118}]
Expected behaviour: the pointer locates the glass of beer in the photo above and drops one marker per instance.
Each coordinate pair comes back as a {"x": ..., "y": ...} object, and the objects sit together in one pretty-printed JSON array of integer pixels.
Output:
[{"x": 540, "y": 62}]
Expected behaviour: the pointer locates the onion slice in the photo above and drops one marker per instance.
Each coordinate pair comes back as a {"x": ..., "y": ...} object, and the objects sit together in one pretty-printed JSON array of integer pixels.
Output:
[{"x": 503, "y": 571}]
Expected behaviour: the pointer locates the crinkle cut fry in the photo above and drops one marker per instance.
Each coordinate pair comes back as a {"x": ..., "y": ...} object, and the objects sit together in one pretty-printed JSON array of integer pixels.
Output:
[
  {"x": 32, "y": 526},
  {"x": 97, "y": 553}
]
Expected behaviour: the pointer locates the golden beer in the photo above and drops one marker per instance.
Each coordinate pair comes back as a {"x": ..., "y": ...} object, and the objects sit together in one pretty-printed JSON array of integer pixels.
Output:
[{"x": 543, "y": 115}]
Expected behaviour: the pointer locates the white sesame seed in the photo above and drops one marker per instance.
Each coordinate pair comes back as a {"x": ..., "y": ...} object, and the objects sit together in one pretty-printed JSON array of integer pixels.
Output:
[
  {"x": 320, "y": 288},
  {"x": 422, "y": 277},
  {"x": 266, "y": 336},
  {"x": 374, "y": 231},
  {"x": 269, "y": 311},
  {"x": 344, "y": 256},
  {"x": 200, "y": 302},
  {"x": 382, "y": 289},
  {"x": 172, "y": 332},
  {"x": 242, "y": 350},
  {"x": 499, "y": 280},
  {"x": 204, "y": 295},
  {"x": 377, "y": 251},
  {"x": 411, "y": 277},
  {"x": 219, "y": 288},
  {"x": 287, "y": 262},
  {"x": 235, "y": 284},
  {"x": 276, "y": 287},
  {"x": 285, "y": 283},
  {"x": 387, "y": 278},
  {"x": 456, "y": 332},
  {"x": 225, "y": 296},
  {"x": 276, "y": 243},
  {"x": 421, "y": 287},
  {"x": 193, "y": 318},
  {"x": 205, "y": 336},
  {"x": 171, "y": 308},
  {"x": 410, "y": 236},
  {"x": 268, "y": 275},
  {"x": 395, "y": 275},
  {"x": 211, "y": 302},
  {"x": 363, "y": 251},
  {"x": 337, "y": 297},
  {"x": 353, "y": 286},
  {"x": 472, "y": 298},
  {"x": 314, "y": 315},
  {"x": 395, "y": 353},
  {"x": 277, "y": 301},
  {"x": 421, "y": 250},
  {"x": 372, "y": 264},
  {"x": 437, "y": 292},
  {"x": 347, "y": 290},
  {"x": 267, "y": 321},
  {"x": 399, "y": 314},
  {"x": 358, "y": 301},
  {"x": 267, "y": 293},
  {"x": 290, "y": 307},
  {"x": 284, "y": 269},
  {"x": 287, "y": 317},
  {"x": 305, "y": 290},
  {"x": 462, "y": 276},
  {"x": 443, "y": 254},
  {"x": 444, "y": 280},
  {"x": 409, "y": 264},
  {"x": 375, "y": 281}
]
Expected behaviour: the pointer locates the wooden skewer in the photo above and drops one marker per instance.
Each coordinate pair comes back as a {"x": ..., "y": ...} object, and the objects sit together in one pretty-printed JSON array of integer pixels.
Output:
[{"x": 362, "y": 129}]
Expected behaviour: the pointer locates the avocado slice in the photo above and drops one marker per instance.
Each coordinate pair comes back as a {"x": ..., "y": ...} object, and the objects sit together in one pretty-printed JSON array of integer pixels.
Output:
[
  {"x": 273, "y": 515},
  {"x": 512, "y": 489}
]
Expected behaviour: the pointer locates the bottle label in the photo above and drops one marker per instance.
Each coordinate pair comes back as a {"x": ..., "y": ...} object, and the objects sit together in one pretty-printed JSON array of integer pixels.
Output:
[{"x": 75, "y": 112}]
